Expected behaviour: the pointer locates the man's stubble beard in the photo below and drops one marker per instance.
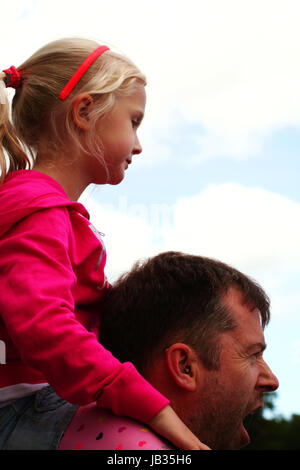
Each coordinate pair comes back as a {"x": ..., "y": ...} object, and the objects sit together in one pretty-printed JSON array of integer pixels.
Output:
[{"x": 215, "y": 422}]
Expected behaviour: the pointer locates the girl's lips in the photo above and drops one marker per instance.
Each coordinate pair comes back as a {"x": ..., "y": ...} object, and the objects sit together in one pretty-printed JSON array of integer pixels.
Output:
[{"x": 127, "y": 162}]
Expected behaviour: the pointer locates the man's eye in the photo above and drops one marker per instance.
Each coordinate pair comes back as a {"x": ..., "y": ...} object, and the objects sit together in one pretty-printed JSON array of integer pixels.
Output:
[{"x": 257, "y": 356}]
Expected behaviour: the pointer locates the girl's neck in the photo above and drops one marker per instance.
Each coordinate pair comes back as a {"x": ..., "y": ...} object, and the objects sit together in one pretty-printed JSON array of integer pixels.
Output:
[{"x": 67, "y": 175}]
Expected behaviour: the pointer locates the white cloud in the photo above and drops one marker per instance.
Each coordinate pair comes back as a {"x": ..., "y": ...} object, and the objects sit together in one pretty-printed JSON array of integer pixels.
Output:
[
  {"x": 249, "y": 226},
  {"x": 230, "y": 66},
  {"x": 252, "y": 229}
]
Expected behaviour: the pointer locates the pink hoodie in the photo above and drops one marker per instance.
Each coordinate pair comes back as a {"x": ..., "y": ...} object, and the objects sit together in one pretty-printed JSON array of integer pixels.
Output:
[{"x": 51, "y": 275}]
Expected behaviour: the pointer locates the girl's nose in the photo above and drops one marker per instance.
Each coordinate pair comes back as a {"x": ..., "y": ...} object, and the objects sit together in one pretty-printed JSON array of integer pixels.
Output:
[{"x": 137, "y": 147}]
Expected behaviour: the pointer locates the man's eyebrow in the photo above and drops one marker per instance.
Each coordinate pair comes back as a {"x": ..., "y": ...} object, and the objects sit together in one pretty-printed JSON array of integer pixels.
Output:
[{"x": 259, "y": 346}]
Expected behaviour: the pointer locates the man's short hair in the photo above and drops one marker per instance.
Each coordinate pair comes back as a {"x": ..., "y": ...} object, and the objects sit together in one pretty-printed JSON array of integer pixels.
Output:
[{"x": 173, "y": 297}]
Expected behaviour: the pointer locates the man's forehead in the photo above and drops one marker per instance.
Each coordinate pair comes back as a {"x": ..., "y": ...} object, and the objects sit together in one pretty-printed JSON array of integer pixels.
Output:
[
  {"x": 234, "y": 298},
  {"x": 246, "y": 316}
]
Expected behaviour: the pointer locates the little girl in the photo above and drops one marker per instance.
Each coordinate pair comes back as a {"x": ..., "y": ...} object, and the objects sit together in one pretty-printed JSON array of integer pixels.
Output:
[{"x": 75, "y": 115}]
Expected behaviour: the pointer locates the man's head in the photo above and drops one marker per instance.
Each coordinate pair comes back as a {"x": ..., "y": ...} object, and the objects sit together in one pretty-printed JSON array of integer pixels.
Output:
[{"x": 193, "y": 327}]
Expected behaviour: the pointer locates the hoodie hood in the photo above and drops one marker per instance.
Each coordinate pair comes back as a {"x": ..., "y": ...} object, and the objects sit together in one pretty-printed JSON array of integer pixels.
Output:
[{"x": 27, "y": 191}]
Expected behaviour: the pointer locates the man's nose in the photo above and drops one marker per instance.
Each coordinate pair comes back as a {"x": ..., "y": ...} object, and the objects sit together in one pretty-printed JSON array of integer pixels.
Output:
[{"x": 267, "y": 381}]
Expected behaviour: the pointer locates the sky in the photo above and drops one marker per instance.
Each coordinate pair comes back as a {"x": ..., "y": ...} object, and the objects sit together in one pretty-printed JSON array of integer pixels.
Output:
[{"x": 218, "y": 175}]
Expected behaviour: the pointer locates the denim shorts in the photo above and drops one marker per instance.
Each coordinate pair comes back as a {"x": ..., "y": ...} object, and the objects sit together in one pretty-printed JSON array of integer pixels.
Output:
[{"x": 36, "y": 422}]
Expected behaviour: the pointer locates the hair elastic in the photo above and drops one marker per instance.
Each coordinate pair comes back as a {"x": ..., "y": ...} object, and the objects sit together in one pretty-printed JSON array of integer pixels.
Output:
[
  {"x": 81, "y": 71},
  {"x": 13, "y": 77}
]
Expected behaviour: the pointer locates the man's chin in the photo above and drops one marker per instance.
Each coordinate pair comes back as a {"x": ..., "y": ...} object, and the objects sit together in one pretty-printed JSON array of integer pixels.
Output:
[
  {"x": 229, "y": 441},
  {"x": 241, "y": 439}
]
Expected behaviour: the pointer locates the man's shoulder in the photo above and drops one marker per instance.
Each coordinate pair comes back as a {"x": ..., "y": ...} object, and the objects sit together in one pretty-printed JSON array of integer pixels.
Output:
[{"x": 93, "y": 428}]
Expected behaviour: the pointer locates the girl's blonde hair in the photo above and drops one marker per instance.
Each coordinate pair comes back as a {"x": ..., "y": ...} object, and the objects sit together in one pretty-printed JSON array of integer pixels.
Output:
[{"x": 40, "y": 122}]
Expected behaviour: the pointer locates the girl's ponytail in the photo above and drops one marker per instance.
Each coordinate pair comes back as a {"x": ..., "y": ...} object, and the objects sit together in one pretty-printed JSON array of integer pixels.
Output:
[{"x": 12, "y": 155}]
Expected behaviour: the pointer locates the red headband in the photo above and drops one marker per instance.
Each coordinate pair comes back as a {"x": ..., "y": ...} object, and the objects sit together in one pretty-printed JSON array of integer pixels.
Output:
[
  {"x": 79, "y": 72},
  {"x": 13, "y": 77}
]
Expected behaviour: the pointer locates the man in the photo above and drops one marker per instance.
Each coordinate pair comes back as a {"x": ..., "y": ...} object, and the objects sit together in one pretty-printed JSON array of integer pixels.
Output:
[{"x": 193, "y": 327}]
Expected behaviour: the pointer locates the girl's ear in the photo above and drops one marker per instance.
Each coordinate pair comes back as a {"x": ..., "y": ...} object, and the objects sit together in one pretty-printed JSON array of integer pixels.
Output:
[
  {"x": 182, "y": 364},
  {"x": 81, "y": 108}
]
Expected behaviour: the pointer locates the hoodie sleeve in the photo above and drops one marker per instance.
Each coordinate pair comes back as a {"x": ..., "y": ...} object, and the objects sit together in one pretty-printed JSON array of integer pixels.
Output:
[{"x": 37, "y": 306}]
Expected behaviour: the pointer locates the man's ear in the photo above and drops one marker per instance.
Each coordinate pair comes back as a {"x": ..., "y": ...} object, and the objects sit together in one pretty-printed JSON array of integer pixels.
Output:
[
  {"x": 182, "y": 364},
  {"x": 81, "y": 107}
]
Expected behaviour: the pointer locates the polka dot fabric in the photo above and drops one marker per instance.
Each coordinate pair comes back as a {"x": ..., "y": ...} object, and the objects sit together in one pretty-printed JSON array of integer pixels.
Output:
[{"x": 94, "y": 429}]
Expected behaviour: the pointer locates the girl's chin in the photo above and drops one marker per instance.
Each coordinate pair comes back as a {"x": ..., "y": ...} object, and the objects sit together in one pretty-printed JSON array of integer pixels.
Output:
[{"x": 116, "y": 179}]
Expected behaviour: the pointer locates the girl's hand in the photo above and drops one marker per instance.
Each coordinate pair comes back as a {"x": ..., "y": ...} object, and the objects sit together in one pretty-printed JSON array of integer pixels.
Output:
[{"x": 169, "y": 425}]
